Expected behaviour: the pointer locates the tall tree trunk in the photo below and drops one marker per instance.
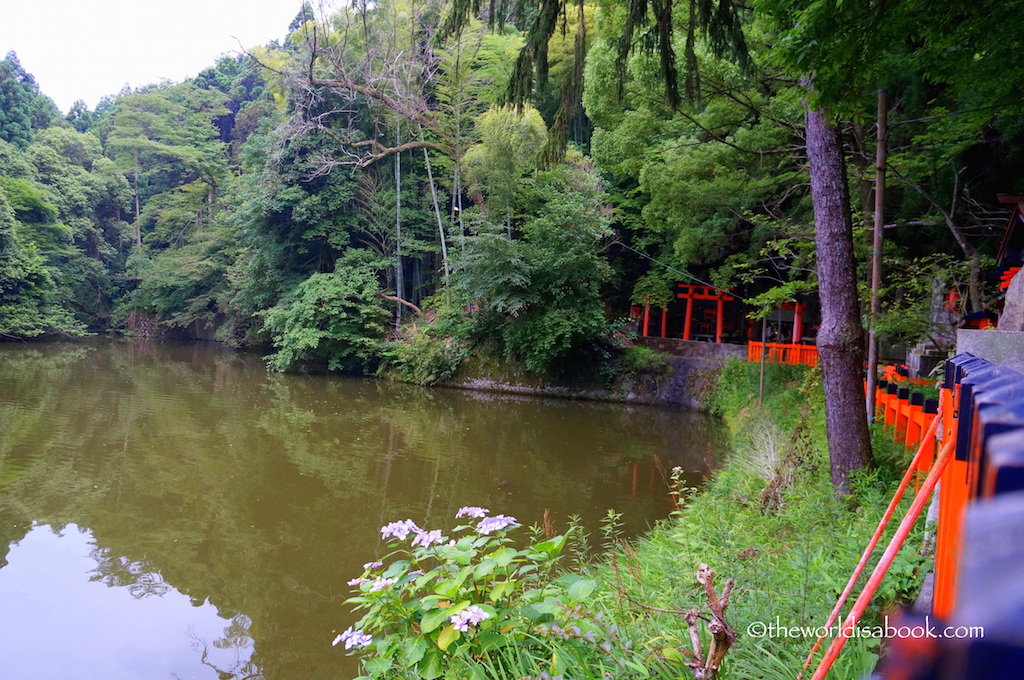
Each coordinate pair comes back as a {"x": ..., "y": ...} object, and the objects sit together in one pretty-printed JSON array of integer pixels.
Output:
[
  {"x": 399, "y": 274},
  {"x": 138, "y": 210},
  {"x": 437, "y": 213},
  {"x": 876, "y": 248},
  {"x": 841, "y": 335},
  {"x": 974, "y": 282}
]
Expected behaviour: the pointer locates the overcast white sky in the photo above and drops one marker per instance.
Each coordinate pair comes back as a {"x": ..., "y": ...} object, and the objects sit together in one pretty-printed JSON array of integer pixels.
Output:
[{"x": 85, "y": 49}]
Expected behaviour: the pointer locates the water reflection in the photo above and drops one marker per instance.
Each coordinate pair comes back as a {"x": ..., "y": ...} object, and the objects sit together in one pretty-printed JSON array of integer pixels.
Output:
[
  {"x": 65, "y": 617},
  {"x": 197, "y": 474}
]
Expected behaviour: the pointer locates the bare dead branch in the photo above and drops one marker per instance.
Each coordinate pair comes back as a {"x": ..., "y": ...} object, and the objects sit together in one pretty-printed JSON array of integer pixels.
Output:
[
  {"x": 722, "y": 635},
  {"x": 391, "y": 103},
  {"x": 400, "y": 301}
]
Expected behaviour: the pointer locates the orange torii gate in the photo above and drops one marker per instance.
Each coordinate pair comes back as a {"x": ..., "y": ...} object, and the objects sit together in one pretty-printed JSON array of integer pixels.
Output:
[
  {"x": 691, "y": 293},
  {"x": 647, "y": 321}
]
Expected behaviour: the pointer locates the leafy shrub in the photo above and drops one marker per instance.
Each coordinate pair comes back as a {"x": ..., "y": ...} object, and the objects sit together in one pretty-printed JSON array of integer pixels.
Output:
[
  {"x": 538, "y": 297},
  {"x": 424, "y": 357},
  {"x": 636, "y": 359},
  {"x": 475, "y": 606},
  {"x": 336, "y": 318}
]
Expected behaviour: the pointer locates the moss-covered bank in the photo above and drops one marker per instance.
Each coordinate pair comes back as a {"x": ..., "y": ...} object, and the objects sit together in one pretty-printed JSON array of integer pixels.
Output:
[{"x": 666, "y": 380}]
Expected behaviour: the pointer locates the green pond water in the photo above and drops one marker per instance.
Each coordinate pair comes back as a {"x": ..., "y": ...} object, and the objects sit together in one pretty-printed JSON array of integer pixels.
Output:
[{"x": 174, "y": 511}]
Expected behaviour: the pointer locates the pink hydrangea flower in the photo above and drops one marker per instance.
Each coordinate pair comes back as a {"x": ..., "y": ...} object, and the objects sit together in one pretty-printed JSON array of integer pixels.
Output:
[
  {"x": 380, "y": 583},
  {"x": 470, "y": 616},
  {"x": 427, "y": 538},
  {"x": 496, "y": 523},
  {"x": 399, "y": 530},
  {"x": 353, "y": 638}
]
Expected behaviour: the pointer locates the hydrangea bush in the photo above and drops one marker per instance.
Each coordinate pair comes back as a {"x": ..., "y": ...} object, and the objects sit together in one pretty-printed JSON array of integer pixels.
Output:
[{"x": 471, "y": 605}]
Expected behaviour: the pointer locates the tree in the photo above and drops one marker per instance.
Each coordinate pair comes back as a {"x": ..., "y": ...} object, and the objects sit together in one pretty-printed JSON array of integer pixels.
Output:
[
  {"x": 840, "y": 335},
  {"x": 539, "y": 296},
  {"x": 335, "y": 318},
  {"x": 28, "y": 294},
  {"x": 23, "y": 108},
  {"x": 167, "y": 138},
  {"x": 509, "y": 147}
]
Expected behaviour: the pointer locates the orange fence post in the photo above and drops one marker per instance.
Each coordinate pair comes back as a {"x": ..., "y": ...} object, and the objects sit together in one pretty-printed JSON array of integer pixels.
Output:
[
  {"x": 902, "y": 414},
  {"x": 885, "y": 561},
  {"x": 910, "y": 474},
  {"x": 952, "y": 502},
  {"x": 890, "y": 406},
  {"x": 915, "y": 419}
]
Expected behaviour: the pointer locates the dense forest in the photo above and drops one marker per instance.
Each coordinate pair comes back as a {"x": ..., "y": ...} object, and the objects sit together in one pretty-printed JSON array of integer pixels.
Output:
[{"x": 376, "y": 191}]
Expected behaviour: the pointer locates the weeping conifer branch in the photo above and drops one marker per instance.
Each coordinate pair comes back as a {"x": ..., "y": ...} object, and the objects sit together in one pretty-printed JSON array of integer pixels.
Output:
[
  {"x": 571, "y": 96},
  {"x": 649, "y": 27},
  {"x": 718, "y": 21}
]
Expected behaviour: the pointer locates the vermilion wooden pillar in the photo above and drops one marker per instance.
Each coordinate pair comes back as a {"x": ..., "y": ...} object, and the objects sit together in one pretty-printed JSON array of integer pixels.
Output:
[
  {"x": 798, "y": 323},
  {"x": 689, "y": 316},
  {"x": 664, "y": 322},
  {"x": 719, "y": 314},
  {"x": 647, "y": 318}
]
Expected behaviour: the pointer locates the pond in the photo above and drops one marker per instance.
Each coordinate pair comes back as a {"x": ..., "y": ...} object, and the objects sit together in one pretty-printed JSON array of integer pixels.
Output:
[{"x": 175, "y": 511}]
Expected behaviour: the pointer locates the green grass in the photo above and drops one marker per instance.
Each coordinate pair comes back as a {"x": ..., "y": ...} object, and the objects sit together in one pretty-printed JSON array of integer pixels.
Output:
[{"x": 770, "y": 521}]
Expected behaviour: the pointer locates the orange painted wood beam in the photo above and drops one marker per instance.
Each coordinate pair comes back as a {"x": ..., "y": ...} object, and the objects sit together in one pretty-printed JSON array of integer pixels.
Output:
[
  {"x": 689, "y": 318},
  {"x": 719, "y": 314}
]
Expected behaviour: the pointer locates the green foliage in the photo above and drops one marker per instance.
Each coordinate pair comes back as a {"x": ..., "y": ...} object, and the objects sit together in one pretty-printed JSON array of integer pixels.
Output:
[
  {"x": 423, "y": 358},
  {"x": 68, "y": 199},
  {"x": 430, "y": 349},
  {"x": 29, "y": 201},
  {"x": 634, "y": 360},
  {"x": 850, "y": 50},
  {"x": 656, "y": 288},
  {"x": 28, "y": 296},
  {"x": 539, "y": 296},
  {"x": 334, "y": 318},
  {"x": 476, "y": 606},
  {"x": 23, "y": 108},
  {"x": 913, "y": 303},
  {"x": 739, "y": 380},
  {"x": 510, "y": 141},
  {"x": 181, "y": 286}
]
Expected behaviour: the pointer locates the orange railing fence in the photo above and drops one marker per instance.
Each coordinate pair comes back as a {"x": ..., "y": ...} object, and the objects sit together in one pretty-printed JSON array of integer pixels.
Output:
[
  {"x": 782, "y": 353},
  {"x": 979, "y": 422}
]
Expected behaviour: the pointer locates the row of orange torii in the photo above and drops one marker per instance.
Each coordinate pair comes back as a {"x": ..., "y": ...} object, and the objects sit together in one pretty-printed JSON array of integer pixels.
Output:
[{"x": 714, "y": 315}]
